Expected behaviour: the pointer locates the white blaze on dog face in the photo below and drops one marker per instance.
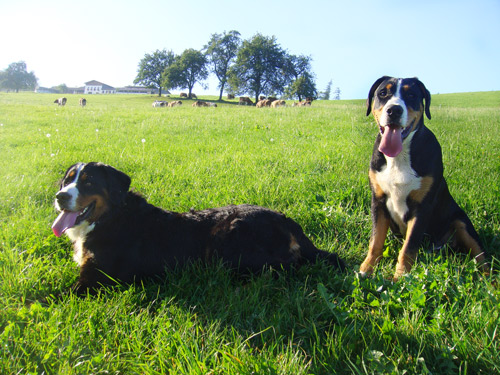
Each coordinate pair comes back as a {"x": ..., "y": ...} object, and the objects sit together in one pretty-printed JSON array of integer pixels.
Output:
[
  {"x": 395, "y": 100},
  {"x": 70, "y": 187}
]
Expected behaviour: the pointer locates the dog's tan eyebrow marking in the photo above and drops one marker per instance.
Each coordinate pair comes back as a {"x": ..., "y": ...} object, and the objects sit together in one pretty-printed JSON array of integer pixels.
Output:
[
  {"x": 406, "y": 87},
  {"x": 388, "y": 86},
  {"x": 84, "y": 176},
  {"x": 72, "y": 174}
]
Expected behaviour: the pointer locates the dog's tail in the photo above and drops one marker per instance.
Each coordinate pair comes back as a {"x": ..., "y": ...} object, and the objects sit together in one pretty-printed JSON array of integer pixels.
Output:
[
  {"x": 310, "y": 253},
  {"x": 331, "y": 258}
]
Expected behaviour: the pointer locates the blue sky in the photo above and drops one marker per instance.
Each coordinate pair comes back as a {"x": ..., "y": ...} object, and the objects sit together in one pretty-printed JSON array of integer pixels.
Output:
[{"x": 452, "y": 46}]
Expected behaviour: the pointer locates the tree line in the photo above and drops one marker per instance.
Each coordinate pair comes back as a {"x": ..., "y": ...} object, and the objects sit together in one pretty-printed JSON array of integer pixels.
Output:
[
  {"x": 257, "y": 66},
  {"x": 16, "y": 77}
]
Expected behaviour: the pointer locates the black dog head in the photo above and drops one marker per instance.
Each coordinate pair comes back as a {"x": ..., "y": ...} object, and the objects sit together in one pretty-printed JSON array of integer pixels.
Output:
[
  {"x": 397, "y": 105},
  {"x": 86, "y": 193}
]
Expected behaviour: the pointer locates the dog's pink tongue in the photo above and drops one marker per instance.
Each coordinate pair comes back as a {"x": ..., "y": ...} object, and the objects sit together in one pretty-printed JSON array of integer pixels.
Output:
[
  {"x": 391, "y": 143},
  {"x": 64, "y": 221}
]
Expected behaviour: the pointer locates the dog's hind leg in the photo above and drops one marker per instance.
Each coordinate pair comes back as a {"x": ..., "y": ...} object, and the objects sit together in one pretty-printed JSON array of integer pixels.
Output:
[{"x": 467, "y": 239}]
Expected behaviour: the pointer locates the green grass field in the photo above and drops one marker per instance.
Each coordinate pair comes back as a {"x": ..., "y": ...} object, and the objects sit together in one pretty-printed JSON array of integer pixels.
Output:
[{"x": 310, "y": 163}]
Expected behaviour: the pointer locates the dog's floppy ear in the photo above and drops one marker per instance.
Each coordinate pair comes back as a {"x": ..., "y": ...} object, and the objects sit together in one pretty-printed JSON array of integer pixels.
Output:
[
  {"x": 118, "y": 184},
  {"x": 372, "y": 92},
  {"x": 427, "y": 98}
]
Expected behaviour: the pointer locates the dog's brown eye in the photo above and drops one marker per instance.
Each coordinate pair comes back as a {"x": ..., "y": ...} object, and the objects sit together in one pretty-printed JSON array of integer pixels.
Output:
[{"x": 382, "y": 93}]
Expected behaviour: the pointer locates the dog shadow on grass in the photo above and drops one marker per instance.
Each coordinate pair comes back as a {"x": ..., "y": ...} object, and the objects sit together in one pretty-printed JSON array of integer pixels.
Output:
[{"x": 335, "y": 320}]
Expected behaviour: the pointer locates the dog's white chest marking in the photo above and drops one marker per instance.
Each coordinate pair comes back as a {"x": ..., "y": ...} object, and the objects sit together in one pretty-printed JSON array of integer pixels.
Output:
[
  {"x": 397, "y": 179},
  {"x": 77, "y": 236}
]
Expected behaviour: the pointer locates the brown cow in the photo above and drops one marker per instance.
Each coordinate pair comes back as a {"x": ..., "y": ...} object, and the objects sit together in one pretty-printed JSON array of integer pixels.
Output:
[
  {"x": 199, "y": 103},
  {"x": 305, "y": 103},
  {"x": 175, "y": 103},
  {"x": 183, "y": 95},
  {"x": 193, "y": 96},
  {"x": 245, "y": 100},
  {"x": 83, "y": 102},
  {"x": 230, "y": 96},
  {"x": 261, "y": 103},
  {"x": 60, "y": 101},
  {"x": 278, "y": 103}
]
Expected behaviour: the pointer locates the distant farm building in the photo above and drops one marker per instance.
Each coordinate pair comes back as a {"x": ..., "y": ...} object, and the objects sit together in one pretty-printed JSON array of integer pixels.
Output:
[{"x": 96, "y": 87}]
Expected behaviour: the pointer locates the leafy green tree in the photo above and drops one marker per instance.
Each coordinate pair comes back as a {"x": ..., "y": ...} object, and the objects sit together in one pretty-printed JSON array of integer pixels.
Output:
[
  {"x": 151, "y": 68},
  {"x": 302, "y": 87},
  {"x": 188, "y": 69},
  {"x": 300, "y": 77},
  {"x": 259, "y": 67},
  {"x": 62, "y": 88},
  {"x": 16, "y": 77},
  {"x": 221, "y": 51}
]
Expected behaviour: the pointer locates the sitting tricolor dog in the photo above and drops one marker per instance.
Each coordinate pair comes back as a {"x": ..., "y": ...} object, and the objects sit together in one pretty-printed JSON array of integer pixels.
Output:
[
  {"x": 409, "y": 192},
  {"x": 117, "y": 235}
]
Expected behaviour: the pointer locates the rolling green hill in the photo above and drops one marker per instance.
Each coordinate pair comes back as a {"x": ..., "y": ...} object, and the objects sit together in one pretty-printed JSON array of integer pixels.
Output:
[{"x": 310, "y": 163}]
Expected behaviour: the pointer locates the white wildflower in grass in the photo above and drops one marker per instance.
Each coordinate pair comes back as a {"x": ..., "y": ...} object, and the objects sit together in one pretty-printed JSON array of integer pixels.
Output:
[
  {"x": 50, "y": 143},
  {"x": 143, "y": 143}
]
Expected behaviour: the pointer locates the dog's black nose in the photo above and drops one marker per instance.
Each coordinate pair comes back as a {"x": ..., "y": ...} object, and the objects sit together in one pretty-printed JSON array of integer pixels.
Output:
[
  {"x": 63, "y": 197},
  {"x": 395, "y": 111}
]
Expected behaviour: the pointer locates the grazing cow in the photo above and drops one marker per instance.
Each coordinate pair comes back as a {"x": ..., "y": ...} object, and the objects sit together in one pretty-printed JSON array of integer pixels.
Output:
[
  {"x": 261, "y": 103},
  {"x": 60, "y": 101},
  {"x": 278, "y": 103},
  {"x": 183, "y": 95},
  {"x": 305, "y": 103},
  {"x": 193, "y": 96},
  {"x": 175, "y": 103},
  {"x": 159, "y": 103},
  {"x": 245, "y": 100},
  {"x": 83, "y": 102},
  {"x": 230, "y": 96},
  {"x": 199, "y": 103}
]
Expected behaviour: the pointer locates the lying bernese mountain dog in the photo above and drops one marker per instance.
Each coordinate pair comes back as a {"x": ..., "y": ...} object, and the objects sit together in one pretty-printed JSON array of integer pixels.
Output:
[{"x": 118, "y": 236}]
